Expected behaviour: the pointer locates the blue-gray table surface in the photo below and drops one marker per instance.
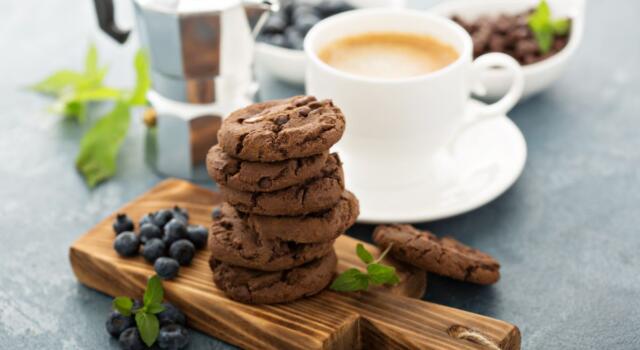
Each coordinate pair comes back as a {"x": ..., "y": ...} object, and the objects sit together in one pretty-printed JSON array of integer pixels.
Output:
[{"x": 567, "y": 233}]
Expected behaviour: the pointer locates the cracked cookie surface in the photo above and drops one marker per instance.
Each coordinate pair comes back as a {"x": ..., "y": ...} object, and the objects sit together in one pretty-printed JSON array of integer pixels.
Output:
[
  {"x": 259, "y": 287},
  {"x": 314, "y": 195},
  {"x": 444, "y": 256},
  {"x": 259, "y": 176},
  {"x": 296, "y": 127},
  {"x": 315, "y": 227},
  {"x": 232, "y": 241}
]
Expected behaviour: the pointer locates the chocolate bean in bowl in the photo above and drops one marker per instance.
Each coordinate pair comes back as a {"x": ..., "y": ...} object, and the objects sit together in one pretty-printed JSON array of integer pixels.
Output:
[{"x": 541, "y": 35}]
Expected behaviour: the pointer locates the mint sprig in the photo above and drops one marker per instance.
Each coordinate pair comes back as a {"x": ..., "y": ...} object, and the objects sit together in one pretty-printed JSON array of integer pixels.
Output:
[
  {"x": 145, "y": 316},
  {"x": 75, "y": 91},
  {"x": 545, "y": 28},
  {"x": 355, "y": 280}
]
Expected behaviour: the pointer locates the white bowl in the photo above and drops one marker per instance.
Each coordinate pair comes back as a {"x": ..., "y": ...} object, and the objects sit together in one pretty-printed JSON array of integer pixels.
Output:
[
  {"x": 288, "y": 64},
  {"x": 537, "y": 76}
]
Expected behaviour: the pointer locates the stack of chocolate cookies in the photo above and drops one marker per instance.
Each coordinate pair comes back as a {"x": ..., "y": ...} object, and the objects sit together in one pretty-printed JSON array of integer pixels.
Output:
[{"x": 285, "y": 201}]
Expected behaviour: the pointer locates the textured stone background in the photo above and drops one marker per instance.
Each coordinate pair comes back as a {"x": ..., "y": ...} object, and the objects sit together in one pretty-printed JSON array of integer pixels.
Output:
[{"x": 566, "y": 233}]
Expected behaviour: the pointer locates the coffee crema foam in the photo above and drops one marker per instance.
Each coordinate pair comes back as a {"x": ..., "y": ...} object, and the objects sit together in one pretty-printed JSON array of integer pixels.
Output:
[{"x": 388, "y": 55}]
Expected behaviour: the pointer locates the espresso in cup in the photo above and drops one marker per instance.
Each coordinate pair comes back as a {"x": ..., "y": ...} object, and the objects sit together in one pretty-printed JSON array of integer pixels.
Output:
[{"x": 388, "y": 55}]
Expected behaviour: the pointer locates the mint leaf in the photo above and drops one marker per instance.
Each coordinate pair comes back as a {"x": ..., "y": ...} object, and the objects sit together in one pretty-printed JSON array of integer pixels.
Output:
[
  {"x": 382, "y": 274},
  {"x": 154, "y": 292},
  {"x": 148, "y": 326},
  {"x": 155, "y": 308},
  {"x": 99, "y": 147},
  {"x": 123, "y": 305},
  {"x": 363, "y": 254},
  {"x": 561, "y": 26},
  {"x": 58, "y": 82},
  {"x": 350, "y": 281},
  {"x": 143, "y": 80},
  {"x": 91, "y": 61}
]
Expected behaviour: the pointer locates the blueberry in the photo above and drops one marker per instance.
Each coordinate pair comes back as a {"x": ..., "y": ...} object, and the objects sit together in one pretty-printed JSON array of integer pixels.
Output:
[
  {"x": 173, "y": 336},
  {"x": 180, "y": 213},
  {"x": 216, "y": 213},
  {"x": 304, "y": 23},
  {"x": 137, "y": 304},
  {"x": 166, "y": 268},
  {"x": 149, "y": 231},
  {"x": 198, "y": 235},
  {"x": 117, "y": 323},
  {"x": 153, "y": 249},
  {"x": 276, "y": 23},
  {"x": 122, "y": 224},
  {"x": 130, "y": 340},
  {"x": 173, "y": 231},
  {"x": 294, "y": 37},
  {"x": 127, "y": 244},
  {"x": 333, "y": 7},
  {"x": 147, "y": 219},
  {"x": 183, "y": 251},
  {"x": 171, "y": 314},
  {"x": 162, "y": 217},
  {"x": 304, "y": 9}
]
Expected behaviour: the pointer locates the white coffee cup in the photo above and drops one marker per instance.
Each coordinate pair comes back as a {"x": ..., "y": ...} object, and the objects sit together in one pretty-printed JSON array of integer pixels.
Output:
[{"x": 397, "y": 128}]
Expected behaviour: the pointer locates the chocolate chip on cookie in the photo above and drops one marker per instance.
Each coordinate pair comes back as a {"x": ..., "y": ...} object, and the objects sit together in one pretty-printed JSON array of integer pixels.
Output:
[
  {"x": 314, "y": 195},
  {"x": 315, "y": 227},
  {"x": 259, "y": 287},
  {"x": 444, "y": 256},
  {"x": 232, "y": 242},
  {"x": 296, "y": 127},
  {"x": 262, "y": 177}
]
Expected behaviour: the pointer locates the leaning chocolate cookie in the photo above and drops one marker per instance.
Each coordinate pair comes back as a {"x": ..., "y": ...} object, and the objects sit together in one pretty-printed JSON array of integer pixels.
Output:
[
  {"x": 232, "y": 241},
  {"x": 296, "y": 127},
  {"x": 259, "y": 287},
  {"x": 315, "y": 227},
  {"x": 316, "y": 194},
  {"x": 259, "y": 176},
  {"x": 444, "y": 256}
]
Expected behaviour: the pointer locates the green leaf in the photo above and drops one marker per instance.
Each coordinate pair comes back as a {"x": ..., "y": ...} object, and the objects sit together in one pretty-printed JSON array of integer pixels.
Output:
[
  {"x": 148, "y": 326},
  {"x": 561, "y": 26},
  {"x": 99, "y": 147},
  {"x": 123, "y": 305},
  {"x": 350, "y": 281},
  {"x": 98, "y": 94},
  {"x": 363, "y": 254},
  {"x": 143, "y": 80},
  {"x": 382, "y": 274},
  {"x": 91, "y": 61},
  {"x": 155, "y": 308},
  {"x": 58, "y": 82},
  {"x": 154, "y": 292}
]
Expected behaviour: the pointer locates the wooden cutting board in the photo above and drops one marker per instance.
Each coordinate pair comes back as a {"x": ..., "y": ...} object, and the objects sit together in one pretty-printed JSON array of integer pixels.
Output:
[{"x": 385, "y": 318}]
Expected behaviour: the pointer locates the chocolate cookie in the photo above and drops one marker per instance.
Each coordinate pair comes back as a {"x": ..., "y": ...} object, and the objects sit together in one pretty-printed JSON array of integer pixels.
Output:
[
  {"x": 315, "y": 227},
  {"x": 262, "y": 177},
  {"x": 258, "y": 287},
  {"x": 314, "y": 195},
  {"x": 444, "y": 256},
  {"x": 232, "y": 241},
  {"x": 297, "y": 127}
]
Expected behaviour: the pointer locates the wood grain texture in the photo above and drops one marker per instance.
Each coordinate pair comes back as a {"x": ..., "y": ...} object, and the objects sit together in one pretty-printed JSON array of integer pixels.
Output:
[{"x": 384, "y": 318}]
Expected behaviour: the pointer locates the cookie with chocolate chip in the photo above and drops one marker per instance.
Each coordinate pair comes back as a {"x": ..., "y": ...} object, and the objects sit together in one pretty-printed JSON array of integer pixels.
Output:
[
  {"x": 314, "y": 195},
  {"x": 233, "y": 242},
  {"x": 444, "y": 256},
  {"x": 259, "y": 287},
  {"x": 296, "y": 127},
  {"x": 250, "y": 176}
]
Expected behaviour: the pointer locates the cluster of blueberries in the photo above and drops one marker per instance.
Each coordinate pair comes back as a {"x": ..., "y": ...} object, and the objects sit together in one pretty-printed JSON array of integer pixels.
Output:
[
  {"x": 288, "y": 27},
  {"x": 173, "y": 333},
  {"x": 167, "y": 239}
]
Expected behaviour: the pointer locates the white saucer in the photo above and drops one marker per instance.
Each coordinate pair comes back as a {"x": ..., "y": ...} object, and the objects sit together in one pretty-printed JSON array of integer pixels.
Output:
[{"x": 484, "y": 161}]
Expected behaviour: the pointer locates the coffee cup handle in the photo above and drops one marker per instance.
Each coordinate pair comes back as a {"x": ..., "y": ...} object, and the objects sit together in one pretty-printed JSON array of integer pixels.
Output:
[
  {"x": 509, "y": 100},
  {"x": 503, "y": 105}
]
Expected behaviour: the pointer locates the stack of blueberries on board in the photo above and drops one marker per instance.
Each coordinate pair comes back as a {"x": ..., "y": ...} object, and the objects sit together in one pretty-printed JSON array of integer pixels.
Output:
[{"x": 271, "y": 241}]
